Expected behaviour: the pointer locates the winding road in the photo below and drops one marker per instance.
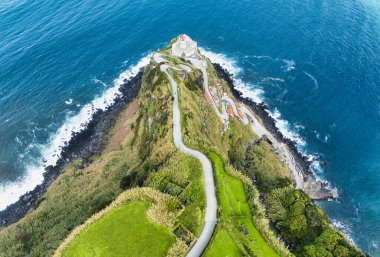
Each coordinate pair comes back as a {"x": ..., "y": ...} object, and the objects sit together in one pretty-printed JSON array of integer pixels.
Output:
[
  {"x": 208, "y": 176},
  {"x": 258, "y": 129}
]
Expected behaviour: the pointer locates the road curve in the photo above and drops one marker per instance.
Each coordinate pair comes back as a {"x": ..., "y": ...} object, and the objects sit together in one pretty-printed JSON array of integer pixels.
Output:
[
  {"x": 208, "y": 177},
  {"x": 201, "y": 65}
]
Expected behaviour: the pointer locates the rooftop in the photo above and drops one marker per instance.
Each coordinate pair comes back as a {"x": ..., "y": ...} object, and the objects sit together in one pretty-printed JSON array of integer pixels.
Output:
[{"x": 184, "y": 47}]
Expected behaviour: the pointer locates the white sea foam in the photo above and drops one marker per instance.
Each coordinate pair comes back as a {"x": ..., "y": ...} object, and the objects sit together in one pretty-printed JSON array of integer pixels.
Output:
[
  {"x": 324, "y": 139},
  {"x": 247, "y": 90},
  {"x": 227, "y": 63},
  {"x": 289, "y": 64},
  {"x": 68, "y": 102},
  {"x": 257, "y": 95},
  {"x": 285, "y": 128},
  {"x": 261, "y": 57},
  {"x": 344, "y": 228},
  {"x": 268, "y": 79},
  {"x": 100, "y": 82},
  {"x": 315, "y": 81},
  {"x": 299, "y": 126},
  {"x": 51, "y": 152}
]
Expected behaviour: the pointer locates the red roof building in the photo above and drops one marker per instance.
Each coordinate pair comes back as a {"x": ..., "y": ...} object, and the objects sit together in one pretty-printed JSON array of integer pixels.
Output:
[
  {"x": 229, "y": 110},
  {"x": 183, "y": 37},
  {"x": 208, "y": 98},
  {"x": 241, "y": 115},
  {"x": 212, "y": 90}
]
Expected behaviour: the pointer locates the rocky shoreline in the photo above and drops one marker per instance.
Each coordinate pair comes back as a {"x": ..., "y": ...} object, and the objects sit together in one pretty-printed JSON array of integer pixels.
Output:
[
  {"x": 315, "y": 189},
  {"x": 83, "y": 145}
]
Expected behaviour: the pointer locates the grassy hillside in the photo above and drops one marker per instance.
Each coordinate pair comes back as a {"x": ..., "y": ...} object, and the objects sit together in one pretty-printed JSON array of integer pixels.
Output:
[
  {"x": 137, "y": 216},
  {"x": 80, "y": 192},
  {"x": 242, "y": 221},
  {"x": 235, "y": 225},
  {"x": 73, "y": 213},
  {"x": 99, "y": 238}
]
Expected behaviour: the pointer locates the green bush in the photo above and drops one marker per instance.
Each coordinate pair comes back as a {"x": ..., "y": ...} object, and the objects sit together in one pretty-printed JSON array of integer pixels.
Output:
[
  {"x": 126, "y": 181},
  {"x": 237, "y": 153},
  {"x": 263, "y": 164},
  {"x": 304, "y": 226}
]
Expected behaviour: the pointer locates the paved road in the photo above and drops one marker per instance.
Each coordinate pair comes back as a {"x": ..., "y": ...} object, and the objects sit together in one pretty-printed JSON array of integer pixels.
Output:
[
  {"x": 259, "y": 129},
  {"x": 201, "y": 65},
  {"x": 157, "y": 57},
  {"x": 208, "y": 176}
]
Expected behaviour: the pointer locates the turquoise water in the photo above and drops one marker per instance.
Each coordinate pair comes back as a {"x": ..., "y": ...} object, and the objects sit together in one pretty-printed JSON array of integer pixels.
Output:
[{"x": 317, "y": 64}]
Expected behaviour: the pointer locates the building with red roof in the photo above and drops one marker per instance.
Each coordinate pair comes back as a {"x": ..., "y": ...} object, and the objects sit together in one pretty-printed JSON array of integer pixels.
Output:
[
  {"x": 241, "y": 115},
  {"x": 184, "y": 47},
  {"x": 229, "y": 110},
  {"x": 207, "y": 97}
]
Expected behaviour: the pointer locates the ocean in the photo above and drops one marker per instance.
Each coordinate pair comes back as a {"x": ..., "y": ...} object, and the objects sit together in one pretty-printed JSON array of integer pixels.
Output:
[{"x": 316, "y": 64}]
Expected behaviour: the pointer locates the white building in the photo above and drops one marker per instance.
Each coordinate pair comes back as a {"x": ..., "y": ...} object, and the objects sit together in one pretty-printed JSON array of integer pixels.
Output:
[{"x": 184, "y": 47}]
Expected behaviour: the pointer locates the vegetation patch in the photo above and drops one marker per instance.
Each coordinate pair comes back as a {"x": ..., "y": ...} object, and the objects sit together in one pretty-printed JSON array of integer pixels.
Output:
[
  {"x": 135, "y": 214},
  {"x": 131, "y": 230},
  {"x": 252, "y": 183},
  {"x": 299, "y": 222},
  {"x": 305, "y": 226},
  {"x": 182, "y": 177},
  {"x": 235, "y": 217},
  {"x": 223, "y": 245},
  {"x": 202, "y": 130}
]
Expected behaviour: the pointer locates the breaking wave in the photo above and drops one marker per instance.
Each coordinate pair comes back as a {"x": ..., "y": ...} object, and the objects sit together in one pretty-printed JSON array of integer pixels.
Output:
[
  {"x": 255, "y": 93},
  {"x": 344, "y": 228},
  {"x": 51, "y": 152}
]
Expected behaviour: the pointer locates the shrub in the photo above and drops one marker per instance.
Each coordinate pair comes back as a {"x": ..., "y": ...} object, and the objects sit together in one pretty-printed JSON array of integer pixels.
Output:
[
  {"x": 263, "y": 164},
  {"x": 24, "y": 237},
  {"x": 305, "y": 226},
  {"x": 126, "y": 181}
]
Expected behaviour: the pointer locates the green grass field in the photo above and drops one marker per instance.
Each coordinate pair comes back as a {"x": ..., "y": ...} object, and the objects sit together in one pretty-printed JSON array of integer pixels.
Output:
[
  {"x": 125, "y": 231},
  {"x": 236, "y": 232},
  {"x": 223, "y": 245}
]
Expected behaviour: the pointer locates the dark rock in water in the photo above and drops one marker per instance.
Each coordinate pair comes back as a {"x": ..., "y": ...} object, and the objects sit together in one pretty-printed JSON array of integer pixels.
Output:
[
  {"x": 315, "y": 189},
  {"x": 86, "y": 143}
]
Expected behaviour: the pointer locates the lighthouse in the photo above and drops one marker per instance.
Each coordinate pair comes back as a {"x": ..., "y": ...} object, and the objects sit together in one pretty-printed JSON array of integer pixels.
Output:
[{"x": 184, "y": 47}]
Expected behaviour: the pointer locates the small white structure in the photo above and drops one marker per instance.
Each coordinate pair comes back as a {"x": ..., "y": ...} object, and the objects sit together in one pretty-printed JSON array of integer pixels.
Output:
[{"x": 184, "y": 47}]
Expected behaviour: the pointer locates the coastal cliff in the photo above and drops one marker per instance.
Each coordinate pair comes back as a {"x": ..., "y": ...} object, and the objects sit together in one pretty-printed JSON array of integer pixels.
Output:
[
  {"x": 317, "y": 190},
  {"x": 148, "y": 181},
  {"x": 83, "y": 145}
]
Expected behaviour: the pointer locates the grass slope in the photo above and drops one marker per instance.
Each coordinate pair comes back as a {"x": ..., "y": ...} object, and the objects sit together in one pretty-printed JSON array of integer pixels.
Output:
[
  {"x": 131, "y": 230},
  {"x": 164, "y": 168},
  {"x": 223, "y": 245},
  {"x": 182, "y": 177},
  {"x": 236, "y": 226},
  {"x": 147, "y": 157}
]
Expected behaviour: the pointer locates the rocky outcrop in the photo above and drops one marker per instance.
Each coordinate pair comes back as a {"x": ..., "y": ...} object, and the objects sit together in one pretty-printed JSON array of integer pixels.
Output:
[{"x": 83, "y": 145}]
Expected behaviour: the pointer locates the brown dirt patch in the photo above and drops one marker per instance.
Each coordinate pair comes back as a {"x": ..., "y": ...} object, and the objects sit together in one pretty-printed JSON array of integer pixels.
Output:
[{"x": 122, "y": 128}]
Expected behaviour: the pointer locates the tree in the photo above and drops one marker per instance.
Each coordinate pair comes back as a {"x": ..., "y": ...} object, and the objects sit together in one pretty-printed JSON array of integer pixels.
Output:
[{"x": 237, "y": 153}]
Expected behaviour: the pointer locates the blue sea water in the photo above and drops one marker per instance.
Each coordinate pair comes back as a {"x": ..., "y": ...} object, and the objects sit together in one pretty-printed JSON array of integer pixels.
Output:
[{"x": 316, "y": 63}]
